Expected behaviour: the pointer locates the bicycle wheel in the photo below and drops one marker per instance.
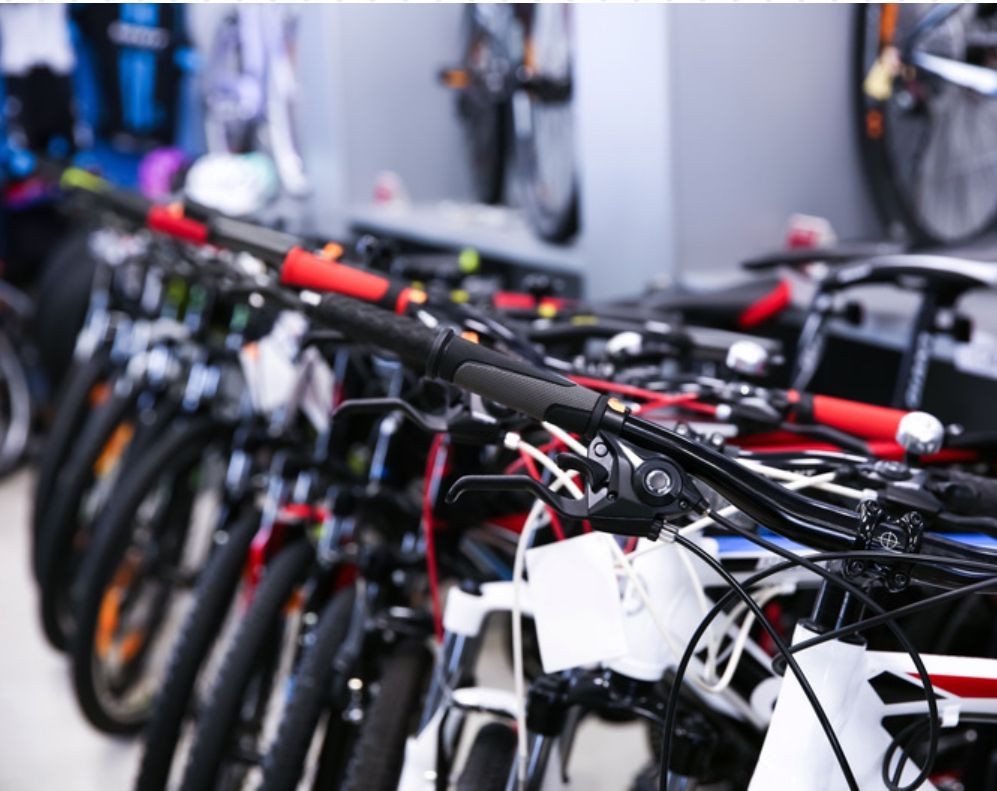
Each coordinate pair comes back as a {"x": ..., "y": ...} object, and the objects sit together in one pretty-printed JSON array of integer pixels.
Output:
[
  {"x": 543, "y": 128},
  {"x": 16, "y": 407},
  {"x": 282, "y": 98},
  {"x": 389, "y": 719},
  {"x": 300, "y": 736},
  {"x": 64, "y": 290},
  {"x": 929, "y": 145},
  {"x": 151, "y": 542},
  {"x": 490, "y": 760},
  {"x": 165, "y": 742},
  {"x": 75, "y": 402},
  {"x": 227, "y": 743},
  {"x": 483, "y": 113},
  {"x": 82, "y": 487}
]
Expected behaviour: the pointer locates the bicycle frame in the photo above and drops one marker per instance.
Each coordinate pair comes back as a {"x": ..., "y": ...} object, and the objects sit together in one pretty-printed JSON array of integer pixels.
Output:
[
  {"x": 649, "y": 657},
  {"x": 796, "y": 753},
  {"x": 840, "y": 671}
]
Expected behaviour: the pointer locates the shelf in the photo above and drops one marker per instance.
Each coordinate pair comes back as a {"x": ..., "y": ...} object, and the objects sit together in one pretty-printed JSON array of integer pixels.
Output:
[{"x": 496, "y": 232}]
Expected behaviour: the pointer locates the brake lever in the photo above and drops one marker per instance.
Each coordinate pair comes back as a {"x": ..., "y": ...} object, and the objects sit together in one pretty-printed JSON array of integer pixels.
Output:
[
  {"x": 624, "y": 493},
  {"x": 594, "y": 473},
  {"x": 463, "y": 423},
  {"x": 434, "y": 424},
  {"x": 566, "y": 507}
]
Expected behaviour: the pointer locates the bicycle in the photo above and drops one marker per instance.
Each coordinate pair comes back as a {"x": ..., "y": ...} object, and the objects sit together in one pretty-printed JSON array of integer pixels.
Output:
[
  {"x": 514, "y": 94},
  {"x": 924, "y": 86},
  {"x": 827, "y": 528},
  {"x": 648, "y": 467}
]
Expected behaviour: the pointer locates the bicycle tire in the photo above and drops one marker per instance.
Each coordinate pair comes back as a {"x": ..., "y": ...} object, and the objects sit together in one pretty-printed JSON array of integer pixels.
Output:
[
  {"x": 70, "y": 416},
  {"x": 179, "y": 451},
  {"x": 491, "y": 758},
  {"x": 389, "y": 718},
  {"x": 200, "y": 631},
  {"x": 897, "y": 133},
  {"x": 60, "y": 523},
  {"x": 310, "y": 697},
  {"x": 216, "y": 724},
  {"x": 542, "y": 157},
  {"x": 64, "y": 290},
  {"x": 16, "y": 395},
  {"x": 484, "y": 119}
]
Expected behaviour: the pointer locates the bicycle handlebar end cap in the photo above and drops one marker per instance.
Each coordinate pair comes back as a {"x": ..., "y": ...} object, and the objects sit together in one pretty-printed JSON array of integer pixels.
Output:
[{"x": 920, "y": 433}]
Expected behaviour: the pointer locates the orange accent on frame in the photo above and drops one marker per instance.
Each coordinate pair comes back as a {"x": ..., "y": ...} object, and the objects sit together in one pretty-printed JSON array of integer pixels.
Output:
[
  {"x": 888, "y": 23},
  {"x": 874, "y": 124}
]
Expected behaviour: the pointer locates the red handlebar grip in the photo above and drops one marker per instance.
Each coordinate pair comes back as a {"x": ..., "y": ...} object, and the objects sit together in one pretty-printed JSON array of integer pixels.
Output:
[
  {"x": 853, "y": 417},
  {"x": 302, "y": 269},
  {"x": 163, "y": 220}
]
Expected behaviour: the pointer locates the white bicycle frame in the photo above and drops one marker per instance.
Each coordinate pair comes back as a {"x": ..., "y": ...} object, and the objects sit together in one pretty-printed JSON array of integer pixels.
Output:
[
  {"x": 796, "y": 753},
  {"x": 648, "y": 658},
  {"x": 261, "y": 94}
]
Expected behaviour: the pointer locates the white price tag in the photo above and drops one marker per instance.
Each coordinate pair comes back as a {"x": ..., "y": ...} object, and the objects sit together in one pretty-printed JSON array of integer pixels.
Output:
[
  {"x": 576, "y": 602},
  {"x": 269, "y": 364},
  {"x": 316, "y": 400},
  {"x": 269, "y": 374}
]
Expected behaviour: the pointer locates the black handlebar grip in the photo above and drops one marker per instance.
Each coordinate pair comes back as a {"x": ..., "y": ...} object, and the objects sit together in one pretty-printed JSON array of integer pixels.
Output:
[
  {"x": 411, "y": 341},
  {"x": 491, "y": 374},
  {"x": 132, "y": 205},
  {"x": 198, "y": 211},
  {"x": 267, "y": 244},
  {"x": 516, "y": 384},
  {"x": 967, "y": 494}
]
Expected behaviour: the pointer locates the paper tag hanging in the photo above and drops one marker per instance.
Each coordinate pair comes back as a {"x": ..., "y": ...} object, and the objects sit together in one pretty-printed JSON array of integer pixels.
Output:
[{"x": 576, "y": 602}]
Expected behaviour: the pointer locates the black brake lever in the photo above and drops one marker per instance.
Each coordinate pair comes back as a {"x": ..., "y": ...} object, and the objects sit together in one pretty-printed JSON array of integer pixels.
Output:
[
  {"x": 459, "y": 422},
  {"x": 434, "y": 424},
  {"x": 569, "y": 508},
  {"x": 622, "y": 496},
  {"x": 594, "y": 473}
]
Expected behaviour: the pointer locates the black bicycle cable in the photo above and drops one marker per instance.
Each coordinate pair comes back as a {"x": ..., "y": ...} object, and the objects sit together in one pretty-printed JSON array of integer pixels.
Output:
[
  {"x": 912, "y": 730},
  {"x": 870, "y": 603},
  {"x": 783, "y": 650},
  {"x": 904, "y": 740},
  {"x": 874, "y": 555},
  {"x": 900, "y": 612}
]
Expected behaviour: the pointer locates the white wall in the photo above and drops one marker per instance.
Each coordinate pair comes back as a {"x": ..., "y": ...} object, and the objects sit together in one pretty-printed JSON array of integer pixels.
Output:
[
  {"x": 623, "y": 125},
  {"x": 761, "y": 126},
  {"x": 700, "y": 128}
]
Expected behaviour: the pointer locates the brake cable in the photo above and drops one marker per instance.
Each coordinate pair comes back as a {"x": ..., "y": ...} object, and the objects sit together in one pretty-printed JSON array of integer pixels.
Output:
[
  {"x": 783, "y": 649},
  {"x": 785, "y": 565},
  {"x": 869, "y": 602}
]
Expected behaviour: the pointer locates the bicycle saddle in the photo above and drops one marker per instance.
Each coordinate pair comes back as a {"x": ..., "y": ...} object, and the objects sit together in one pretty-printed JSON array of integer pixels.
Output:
[
  {"x": 839, "y": 254},
  {"x": 951, "y": 276}
]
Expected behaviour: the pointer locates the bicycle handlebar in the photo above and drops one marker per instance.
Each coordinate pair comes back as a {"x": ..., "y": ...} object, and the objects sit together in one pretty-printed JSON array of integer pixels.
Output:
[
  {"x": 516, "y": 384},
  {"x": 527, "y": 388},
  {"x": 545, "y": 396},
  {"x": 302, "y": 269},
  {"x": 853, "y": 417},
  {"x": 298, "y": 267}
]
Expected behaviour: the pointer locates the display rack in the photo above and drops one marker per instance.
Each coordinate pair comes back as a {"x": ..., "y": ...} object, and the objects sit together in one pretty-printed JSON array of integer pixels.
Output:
[
  {"x": 495, "y": 231},
  {"x": 676, "y": 146}
]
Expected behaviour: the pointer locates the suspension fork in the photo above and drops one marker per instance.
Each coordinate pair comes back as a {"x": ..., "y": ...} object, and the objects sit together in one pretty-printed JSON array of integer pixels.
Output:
[
  {"x": 539, "y": 750},
  {"x": 464, "y": 620},
  {"x": 430, "y": 749}
]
